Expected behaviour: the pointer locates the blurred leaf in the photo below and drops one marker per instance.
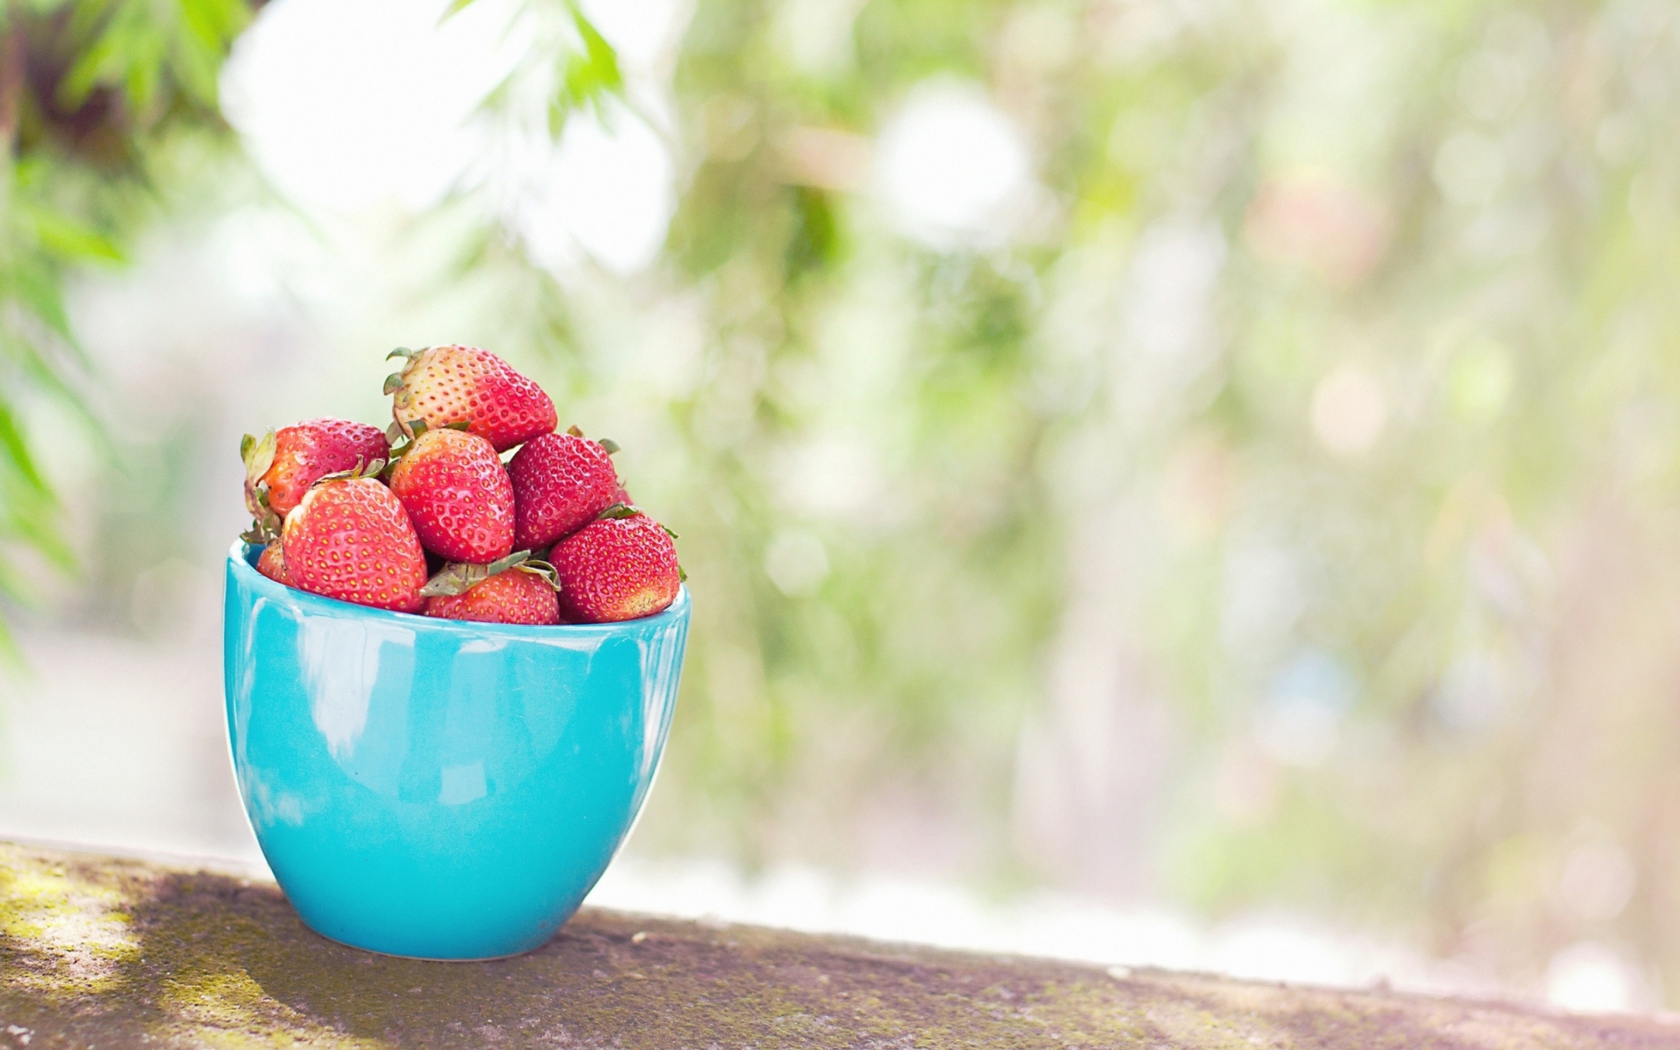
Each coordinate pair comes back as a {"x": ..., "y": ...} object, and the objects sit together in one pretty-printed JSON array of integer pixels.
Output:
[
  {"x": 152, "y": 49},
  {"x": 37, "y": 287},
  {"x": 16, "y": 453},
  {"x": 71, "y": 240},
  {"x": 587, "y": 76}
]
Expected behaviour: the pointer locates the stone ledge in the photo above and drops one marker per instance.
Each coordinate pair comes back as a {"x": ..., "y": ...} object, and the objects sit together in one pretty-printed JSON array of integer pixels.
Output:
[{"x": 98, "y": 952}]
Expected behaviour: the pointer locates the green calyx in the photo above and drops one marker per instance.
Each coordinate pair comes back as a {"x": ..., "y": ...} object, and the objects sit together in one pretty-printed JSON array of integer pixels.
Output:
[
  {"x": 402, "y": 439},
  {"x": 608, "y": 444},
  {"x": 258, "y": 455},
  {"x": 369, "y": 469},
  {"x": 630, "y": 510},
  {"x": 460, "y": 577},
  {"x": 394, "y": 381},
  {"x": 541, "y": 568},
  {"x": 402, "y": 442},
  {"x": 264, "y": 530}
]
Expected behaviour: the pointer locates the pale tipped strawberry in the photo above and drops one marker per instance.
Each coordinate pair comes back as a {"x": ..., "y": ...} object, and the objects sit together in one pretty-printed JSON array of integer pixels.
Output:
[
  {"x": 463, "y": 384},
  {"x": 511, "y": 590},
  {"x": 561, "y": 482},
  {"x": 272, "y": 563},
  {"x": 621, "y": 566},
  {"x": 458, "y": 495},
  {"x": 281, "y": 466},
  {"x": 351, "y": 539}
]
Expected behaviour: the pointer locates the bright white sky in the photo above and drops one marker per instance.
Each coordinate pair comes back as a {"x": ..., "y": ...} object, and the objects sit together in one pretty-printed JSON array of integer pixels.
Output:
[{"x": 348, "y": 105}]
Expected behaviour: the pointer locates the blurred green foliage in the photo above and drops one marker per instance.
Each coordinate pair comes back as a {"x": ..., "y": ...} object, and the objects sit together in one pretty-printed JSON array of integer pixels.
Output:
[
  {"x": 1279, "y": 512},
  {"x": 1275, "y": 507},
  {"x": 90, "y": 91}
]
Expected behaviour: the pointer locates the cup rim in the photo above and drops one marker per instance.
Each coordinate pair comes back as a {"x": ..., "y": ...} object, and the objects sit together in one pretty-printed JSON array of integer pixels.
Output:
[{"x": 239, "y": 563}]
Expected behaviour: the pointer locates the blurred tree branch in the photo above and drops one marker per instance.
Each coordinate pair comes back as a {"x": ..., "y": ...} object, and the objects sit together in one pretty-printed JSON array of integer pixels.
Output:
[{"x": 11, "y": 84}]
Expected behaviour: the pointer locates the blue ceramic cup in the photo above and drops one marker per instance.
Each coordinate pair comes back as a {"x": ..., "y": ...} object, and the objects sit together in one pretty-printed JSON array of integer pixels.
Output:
[{"x": 434, "y": 788}]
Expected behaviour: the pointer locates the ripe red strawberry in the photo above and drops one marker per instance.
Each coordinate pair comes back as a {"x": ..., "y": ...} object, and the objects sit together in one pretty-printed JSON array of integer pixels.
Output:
[
  {"x": 519, "y": 595},
  {"x": 560, "y": 483},
  {"x": 463, "y": 384},
  {"x": 350, "y": 539},
  {"x": 272, "y": 563},
  {"x": 280, "y": 468},
  {"x": 458, "y": 495},
  {"x": 616, "y": 568}
]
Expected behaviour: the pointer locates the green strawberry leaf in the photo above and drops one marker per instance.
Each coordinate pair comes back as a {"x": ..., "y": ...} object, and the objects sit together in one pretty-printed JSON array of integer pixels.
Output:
[
  {"x": 619, "y": 510},
  {"x": 455, "y": 578},
  {"x": 460, "y": 577},
  {"x": 543, "y": 569},
  {"x": 416, "y": 428},
  {"x": 257, "y": 455},
  {"x": 609, "y": 444},
  {"x": 264, "y": 530},
  {"x": 503, "y": 564},
  {"x": 369, "y": 469}
]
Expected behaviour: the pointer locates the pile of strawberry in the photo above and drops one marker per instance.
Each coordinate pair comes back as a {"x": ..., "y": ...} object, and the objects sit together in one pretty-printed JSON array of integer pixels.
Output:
[{"x": 425, "y": 517}]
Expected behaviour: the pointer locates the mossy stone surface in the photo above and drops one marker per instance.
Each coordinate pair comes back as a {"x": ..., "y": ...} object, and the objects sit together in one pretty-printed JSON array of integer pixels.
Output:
[{"x": 97, "y": 952}]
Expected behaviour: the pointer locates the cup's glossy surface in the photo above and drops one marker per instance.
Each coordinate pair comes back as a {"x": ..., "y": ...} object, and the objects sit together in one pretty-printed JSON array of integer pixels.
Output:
[{"x": 437, "y": 788}]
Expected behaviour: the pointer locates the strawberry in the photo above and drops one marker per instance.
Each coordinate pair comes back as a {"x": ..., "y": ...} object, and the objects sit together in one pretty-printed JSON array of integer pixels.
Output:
[
  {"x": 463, "y": 384},
  {"x": 457, "y": 494},
  {"x": 272, "y": 563},
  {"x": 350, "y": 539},
  {"x": 280, "y": 468},
  {"x": 512, "y": 590},
  {"x": 560, "y": 483},
  {"x": 621, "y": 566}
]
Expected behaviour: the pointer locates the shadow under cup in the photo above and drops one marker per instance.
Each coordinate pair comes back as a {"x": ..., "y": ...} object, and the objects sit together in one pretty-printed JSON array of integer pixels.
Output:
[{"x": 437, "y": 788}]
